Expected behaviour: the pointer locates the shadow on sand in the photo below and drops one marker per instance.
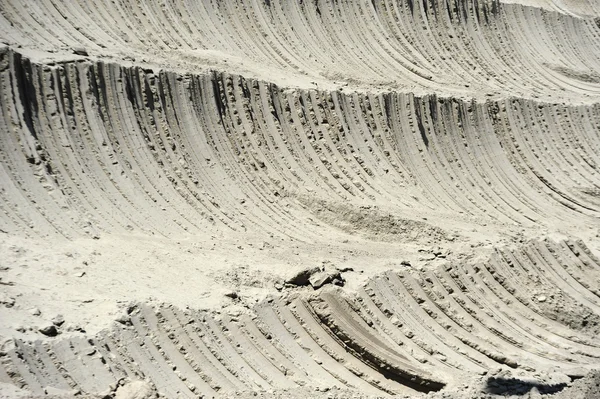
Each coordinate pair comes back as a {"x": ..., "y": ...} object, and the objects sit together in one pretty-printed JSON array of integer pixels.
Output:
[{"x": 514, "y": 386}]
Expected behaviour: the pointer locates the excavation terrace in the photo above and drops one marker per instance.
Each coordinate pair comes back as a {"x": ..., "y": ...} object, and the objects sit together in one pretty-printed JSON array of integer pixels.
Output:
[{"x": 294, "y": 199}]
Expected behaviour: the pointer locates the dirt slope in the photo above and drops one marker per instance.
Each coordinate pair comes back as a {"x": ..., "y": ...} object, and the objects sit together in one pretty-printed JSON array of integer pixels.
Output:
[
  {"x": 184, "y": 184},
  {"x": 533, "y": 311}
]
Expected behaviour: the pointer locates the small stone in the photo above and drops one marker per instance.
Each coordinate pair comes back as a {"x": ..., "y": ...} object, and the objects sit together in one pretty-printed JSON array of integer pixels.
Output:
[
  {"x": 320, "y": 279},
  {"x": 78, "y": 328},
  {"x": 427, "y": 257},
  {"x": 58, "y": 320},
  {"x": 49, "y": 331},
  {"x": 6, "y": 300},
  {"x": 338, "y": 282},
  {"x": 542, "y": 298},
  {"x": 232, "y": 295},
  {"x": 123, "y": 319},
  {"x": 90, "y": 352},
  {"x": 80, "y": 51},
  {"x": 302, "y": 277},
  {"x": 79, "y": 274},
  {"x": 441, "y": 253},
  {"x": 36, "y": 312},
  {"x": 135, "y": 389}
]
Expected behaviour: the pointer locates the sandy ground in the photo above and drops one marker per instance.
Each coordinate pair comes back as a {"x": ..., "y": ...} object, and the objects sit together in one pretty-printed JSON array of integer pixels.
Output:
[{"x": 284, "y": 199}]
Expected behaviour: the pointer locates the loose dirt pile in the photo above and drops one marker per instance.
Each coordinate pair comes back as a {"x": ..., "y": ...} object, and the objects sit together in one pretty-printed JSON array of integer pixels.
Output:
[{"x": 300, "y": 199}]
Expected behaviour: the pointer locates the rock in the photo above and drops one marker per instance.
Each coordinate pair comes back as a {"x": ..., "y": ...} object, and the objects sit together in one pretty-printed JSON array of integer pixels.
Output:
[
  {"x": 232, "y": 295},
  {"x": 441, "y": 253},
  {"x": 542, "y": 298},
  {"x": 75, "y": 328},
  {"x": 80, "y": 51},
  {"x": 36, "y": 312},
  {"x": 405, "y": 263},
  {"x": 427, "y": 257},
  {"x": 49, "y": 330},
  {"x": 302, "y": 277},
  {"x": 6, "y": 300},
  {"x": 320, "y": 279},
  {"x": 58, "y": 320},
  {"x": 124, "y": 319},
  {"x": 135, "y": 390}
]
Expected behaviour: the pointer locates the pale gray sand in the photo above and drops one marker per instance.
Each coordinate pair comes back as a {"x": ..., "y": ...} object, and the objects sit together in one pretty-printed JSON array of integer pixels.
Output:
[{"x": 167, "y": 168}]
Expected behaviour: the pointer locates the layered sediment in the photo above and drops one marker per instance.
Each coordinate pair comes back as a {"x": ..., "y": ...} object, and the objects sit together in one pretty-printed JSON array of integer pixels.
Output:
[{"x": 439, "y": 157}]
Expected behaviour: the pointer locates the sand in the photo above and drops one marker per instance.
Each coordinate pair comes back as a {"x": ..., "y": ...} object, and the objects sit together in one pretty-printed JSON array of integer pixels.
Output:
[{"x": 299, "y": 199}]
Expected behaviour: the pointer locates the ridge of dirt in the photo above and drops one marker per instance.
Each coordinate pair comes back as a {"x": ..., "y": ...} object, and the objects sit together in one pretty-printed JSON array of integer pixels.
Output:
[
  {"x": 460, "y": 48},
  {"x": 401, "y": 333}
]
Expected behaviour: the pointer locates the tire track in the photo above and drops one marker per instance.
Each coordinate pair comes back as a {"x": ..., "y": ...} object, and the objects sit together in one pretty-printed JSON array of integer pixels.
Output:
[
  {"x": 404, "y": 332},
  {"x": 174, "y": 154},
  {"x": 465, "y": 48}
]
